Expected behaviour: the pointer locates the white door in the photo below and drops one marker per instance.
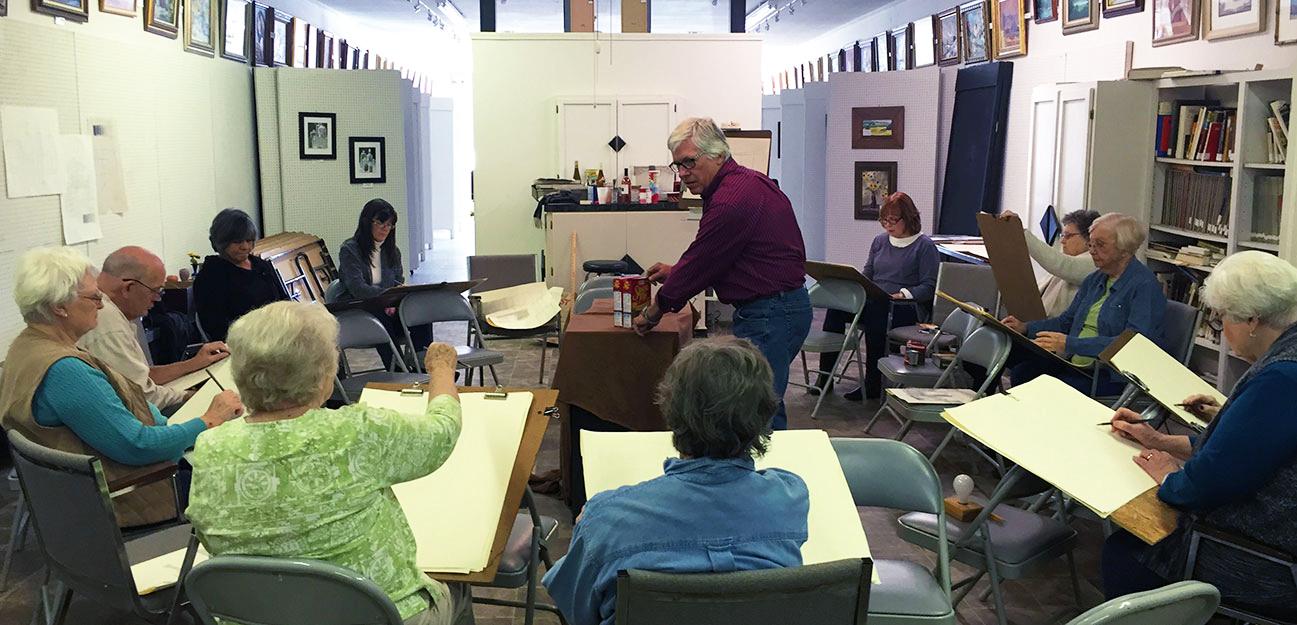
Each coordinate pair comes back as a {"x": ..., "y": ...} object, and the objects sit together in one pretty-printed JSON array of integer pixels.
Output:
[
  {"x": 1041, "y": 155},
  {"x": 645, "y": 126},
  {"x": 1073, "y": 173},
  {"x": 584, "y": 129}
]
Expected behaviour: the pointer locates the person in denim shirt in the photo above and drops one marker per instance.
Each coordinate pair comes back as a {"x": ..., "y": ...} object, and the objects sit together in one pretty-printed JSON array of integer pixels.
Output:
[
  {"x": 712, "y": 511},
  {"x": 1123, "y": 294}
]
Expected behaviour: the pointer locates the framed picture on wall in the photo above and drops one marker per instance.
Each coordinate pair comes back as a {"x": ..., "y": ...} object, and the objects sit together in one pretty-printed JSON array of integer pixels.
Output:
[
  {"x": 297, "y": 38},
  {"x": 1079, "y": 16},
  {"x": 234, "y": 28},
  {"x": 4, "y": 8},
  {"x": 260, "y": 27},
  {"x": 162, "y": 17},
  {"x": 1174, "y": 21},
  {"x": 878, "y": 128},
  {"x": 75, "y": 10},
  {"x": 1285, "y": 22},
  {"x": 279, "y": 37},
  {"x": 883, "y": 52},
  {"x": 1009, "y": 28},
  {"x": 368, "y": 159},
  {"x": 949, "y": 44},
  {"x": 868, "y": 56},
  {"x": 317, "y": 136},
  {"x": 323, "y": 48},
  {"x": 875, "y": 180},
  {"x": 1231, "y": 18},
  {"x": 1045, "y": 10},
  {"x": 1113, "y": 8},
  {"x": 901, "y": 47},
  {"x": 972, "y": 18},
  {"x": 923, "y": 31},
  {"x": 198, "y": 27},
  {"x": 116, "y": 7}
]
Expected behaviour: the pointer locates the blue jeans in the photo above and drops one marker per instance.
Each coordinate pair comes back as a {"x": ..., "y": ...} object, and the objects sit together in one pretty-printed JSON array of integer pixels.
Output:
[{"x": 778, "y": 326}]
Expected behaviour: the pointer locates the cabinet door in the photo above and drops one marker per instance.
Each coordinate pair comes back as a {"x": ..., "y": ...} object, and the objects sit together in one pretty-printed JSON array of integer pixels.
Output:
[
  {"x": 584, "y": 129},
  {"x": 644, "y": 126},
  {"x": 1073, "y": 172},
  {"x": 1041, "y": 156},
  {"x": 598, "y": 236}
]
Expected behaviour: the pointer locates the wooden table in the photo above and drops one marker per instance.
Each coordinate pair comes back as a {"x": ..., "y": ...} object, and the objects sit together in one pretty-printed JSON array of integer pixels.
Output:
[{"x": 532, "y": 433}]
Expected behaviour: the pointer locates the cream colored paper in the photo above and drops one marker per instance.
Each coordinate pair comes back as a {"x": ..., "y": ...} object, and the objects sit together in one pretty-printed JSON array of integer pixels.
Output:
[
  {"x": 197, "y": 405},
  {"x": 521, "y": 307},
  {"x": 162, "y": 571},
  {"x": 188, "y": 380},
  {"x": 616, "y": 459},
  {"x": 1168, "y": 381},
  {"x": 930, "y": 396},
  {"x": 33, "y": 158},
  {"x": 219, "y": 371},
  {"x": 454, "y": 512},
  {"x": 1050, "y": 429}
]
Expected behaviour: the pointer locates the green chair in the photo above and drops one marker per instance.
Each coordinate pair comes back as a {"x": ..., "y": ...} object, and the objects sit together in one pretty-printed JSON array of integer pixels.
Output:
[
  {"x": 279, "y": 591},
  {"x": 844, "y": 296},
  {"x": 1181, "y": 603}
]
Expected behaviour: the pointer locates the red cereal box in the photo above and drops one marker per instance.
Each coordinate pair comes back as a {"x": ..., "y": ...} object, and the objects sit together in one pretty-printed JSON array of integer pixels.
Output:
[{"x": 640, "y": 294}]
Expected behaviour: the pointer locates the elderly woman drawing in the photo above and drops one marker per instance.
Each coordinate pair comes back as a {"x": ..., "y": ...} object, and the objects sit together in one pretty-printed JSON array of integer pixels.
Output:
[
  {"x": 296, "y": 480},
  {"x": 1122, "y": 294},
  {"x": 233, "y": 281},
  {"x": 712, "y": 510},
  {"x": 60, "y": 396},
  {"x": 1240, "y": 475},
  {"x": 1068, "y": 267}
]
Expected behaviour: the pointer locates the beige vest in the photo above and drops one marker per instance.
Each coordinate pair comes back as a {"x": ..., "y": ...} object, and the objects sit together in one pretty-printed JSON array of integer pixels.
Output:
[{"x": 30, "y": 356}]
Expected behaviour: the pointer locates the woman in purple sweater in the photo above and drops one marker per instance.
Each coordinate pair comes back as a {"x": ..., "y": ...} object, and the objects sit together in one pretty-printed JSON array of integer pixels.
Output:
[{"x": 903, "y": 261}]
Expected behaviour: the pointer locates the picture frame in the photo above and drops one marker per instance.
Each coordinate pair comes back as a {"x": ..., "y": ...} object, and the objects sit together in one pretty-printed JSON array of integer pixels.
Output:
[
  {"x": 368, "y": 156},
  {"x": 73, "y": 10},
  {"x": 199, "y": 28},
  {"x": 279, "y": 40},
  {"x": 878, "y": 128},
  {"x": 317, "y": 136},
  {"x": 1043, "y": 11},
  {"x": 1175, "y": 21},
  {"x": 950, "y": 45},
  {"x": 869, "y": 56},
  {"x": 297, "y": 43},
  {"x": 312, "y": 46},
  {"x": 1231, "y": 18},
  {"x": 1009, "y": 29},
  {"x": 129, "y": 8},
  {"x": 4, "y": 8},
  {"x": 901, "y": 47},
  {"x": 1113, "y": 8},
  {"x": 883, "y": 52},
  {"x": 1285, "y": 22},
  {"x": 234, "y": 29},
  {"x": 923, "y": 33},
  {"x": 259, "y": 25},
  {"x": 162, "y": 17},
  {"x": 874, "y": 181},
  {"x": 323, "y": 48},
  {"x": 973, "y": 30},
  {"x": 1079, "y": 16}
]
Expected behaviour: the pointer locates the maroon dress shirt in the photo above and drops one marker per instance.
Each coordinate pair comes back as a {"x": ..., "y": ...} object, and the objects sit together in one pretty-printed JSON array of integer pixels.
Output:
[{"x": 748, "y": 244}]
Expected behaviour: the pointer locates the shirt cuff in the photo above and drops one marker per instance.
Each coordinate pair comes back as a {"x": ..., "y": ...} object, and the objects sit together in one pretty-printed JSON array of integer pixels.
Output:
[{"x": 906, "y": 293}]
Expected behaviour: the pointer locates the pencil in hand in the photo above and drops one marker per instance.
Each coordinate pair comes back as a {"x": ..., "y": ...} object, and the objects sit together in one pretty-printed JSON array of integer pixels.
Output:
[{"x": 1144, "y": 420}]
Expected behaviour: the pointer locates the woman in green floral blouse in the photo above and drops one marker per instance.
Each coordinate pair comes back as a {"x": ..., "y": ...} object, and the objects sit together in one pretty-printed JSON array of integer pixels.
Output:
[{"x": 295, "y": 480}]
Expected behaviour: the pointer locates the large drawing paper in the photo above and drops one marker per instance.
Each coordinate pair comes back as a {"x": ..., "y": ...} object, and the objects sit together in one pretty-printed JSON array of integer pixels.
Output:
[
  {"x": 521, "y": 307},
  {"x": 79, "y": 202},
  {"x": 197, "y": 404},
  {"x": 1168, "y": 381},
  {"x": 1006, "y": 246},
  {"x": 33, "y": 161},
  {"x": 163, "y": 571}
]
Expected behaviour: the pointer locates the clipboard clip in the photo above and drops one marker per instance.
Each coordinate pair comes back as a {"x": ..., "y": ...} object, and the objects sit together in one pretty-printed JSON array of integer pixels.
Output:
[
  {"x": 413, "y": 390},
  {"x": 498, "y": 393},
  {"x": 551, "y": 412},
  {"x": 1006, "y": 394},
  {"x": 1135, "y": 380}
]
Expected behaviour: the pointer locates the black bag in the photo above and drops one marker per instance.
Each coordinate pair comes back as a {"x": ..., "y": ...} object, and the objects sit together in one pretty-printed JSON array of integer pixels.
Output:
[{"x": 559, "y": 201}]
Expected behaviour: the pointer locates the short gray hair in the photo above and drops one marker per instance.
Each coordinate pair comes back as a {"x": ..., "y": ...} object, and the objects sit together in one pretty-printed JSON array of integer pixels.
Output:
[
  {"x": 231, "y": 225},
  {"x": 1254, "y": 284},
  {"x": 47, "y": 277},
  {"x": 1128, "y": 233},
  {"x": 718, "y": 397},
  {"x": 282, "y": 354},
  {"x": 707, "y": 136}
]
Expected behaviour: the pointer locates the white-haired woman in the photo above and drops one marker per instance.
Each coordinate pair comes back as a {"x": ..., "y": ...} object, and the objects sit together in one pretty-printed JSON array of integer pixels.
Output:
[
  {"x": 296, "y": 480},
  {"x": 60, "y": 396},
  {"x": 1121, "y": 295},
  {"x": 1240, "y": 475}
]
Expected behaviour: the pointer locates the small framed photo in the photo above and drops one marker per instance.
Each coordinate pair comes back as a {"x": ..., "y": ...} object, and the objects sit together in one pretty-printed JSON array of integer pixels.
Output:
[
  {"x": 875, "y": 180},
  {"x": 901, "y": 48},
  {"x": 883, "y": 52},
  {"x": 1010, "y": 28},
  {"x": 198, "y": 27},
  {"x": 1285, "y": 22},
  {"x": 1079, "y": 16},
  {"x": 1113, "y": 8},
  {"x": 923, "y": 32},
  {"x": 878, "y": 128},
  {"x": 162, "y": 17},
  {"x": 972, "y": 17},
  {"x": 949, "y": 43},
  {"x": 297, "y": 39},
  {"x": 317, "y": 136},
  {"x": 4, "y": 8},
  {"x": 1045, "y": 10},
  {"x": 326, "y": 53},
  {"x": 279, "y": 37},
  {"x": 261, "y": 28},
  {"x": 1174, "y": 21},
  {"x": 1231, "y": 18},
  {"x": 234, "y": 27},
  {"x": 368, "y": 159},
  {"x": 868, "y": 56},
  {"x": 75, "y": 10},
  {"x": 118, "y": 7}
]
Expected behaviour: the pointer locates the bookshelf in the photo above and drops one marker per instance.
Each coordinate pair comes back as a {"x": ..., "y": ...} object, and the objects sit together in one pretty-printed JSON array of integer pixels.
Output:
[{"x": 1220, "y": 206}]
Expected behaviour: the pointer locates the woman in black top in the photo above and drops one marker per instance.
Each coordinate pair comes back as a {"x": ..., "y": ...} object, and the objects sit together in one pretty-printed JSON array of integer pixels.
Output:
[{"x": 233, "y": 281}]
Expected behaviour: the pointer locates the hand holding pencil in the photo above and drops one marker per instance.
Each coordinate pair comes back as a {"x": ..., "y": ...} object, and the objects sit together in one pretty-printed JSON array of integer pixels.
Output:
[{"x": 1204, "y": 407}]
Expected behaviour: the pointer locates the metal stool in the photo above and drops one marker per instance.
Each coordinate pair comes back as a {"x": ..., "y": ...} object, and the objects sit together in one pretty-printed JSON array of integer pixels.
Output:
[{"x": 603, "y": 268}]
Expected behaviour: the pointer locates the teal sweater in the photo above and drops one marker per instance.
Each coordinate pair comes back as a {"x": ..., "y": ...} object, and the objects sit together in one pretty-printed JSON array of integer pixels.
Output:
[{"x": 78, "y": 396}]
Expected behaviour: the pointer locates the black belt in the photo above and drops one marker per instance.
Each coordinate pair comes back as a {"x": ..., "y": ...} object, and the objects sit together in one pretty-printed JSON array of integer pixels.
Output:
[{"x": 745, "y": 302}]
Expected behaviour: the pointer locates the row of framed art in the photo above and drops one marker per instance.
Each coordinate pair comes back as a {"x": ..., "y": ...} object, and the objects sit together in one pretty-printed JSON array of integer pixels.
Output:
[{"x": 317, "y": 140}]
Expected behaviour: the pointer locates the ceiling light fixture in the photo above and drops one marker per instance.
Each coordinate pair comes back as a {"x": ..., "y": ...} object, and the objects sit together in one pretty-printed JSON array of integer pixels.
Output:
[{"x": 758, "y": 15}]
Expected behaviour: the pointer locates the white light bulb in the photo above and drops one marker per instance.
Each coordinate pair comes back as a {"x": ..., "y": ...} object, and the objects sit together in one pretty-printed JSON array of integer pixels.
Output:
[{"x": 963, "y": 488}]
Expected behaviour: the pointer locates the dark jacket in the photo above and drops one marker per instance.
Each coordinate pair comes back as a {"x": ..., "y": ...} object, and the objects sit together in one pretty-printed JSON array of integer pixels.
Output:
[
  {"x": 224, "y": 292},
  {"x": 355, "y": 280}
]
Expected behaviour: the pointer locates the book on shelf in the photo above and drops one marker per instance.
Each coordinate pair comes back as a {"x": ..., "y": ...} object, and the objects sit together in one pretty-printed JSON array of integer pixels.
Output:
[
  {"x": 1280, "y": 109},
  {"x": 1267, "y": 209},
  {"x": 1163, "y": 132},
  {"x": 1197, "y": 199},
  {"x": 1278, "y": 140},
  {"x": 1188, "y": 112}
]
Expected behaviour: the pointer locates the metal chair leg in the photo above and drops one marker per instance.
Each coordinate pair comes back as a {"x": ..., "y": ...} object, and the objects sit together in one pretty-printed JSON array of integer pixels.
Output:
[
  {"x": 17, "y": 537},
  {"x": 493, "y": 378},
  {"x": 941, "y": 447},
  {"x": 870, "y": 425},
  {"x": 994, "y": 573}
]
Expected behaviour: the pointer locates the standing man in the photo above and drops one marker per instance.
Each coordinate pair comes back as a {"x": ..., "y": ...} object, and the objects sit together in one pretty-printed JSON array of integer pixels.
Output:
[
  {"x": 131, "y": 281},
  {"x": 749, "y": 249}
]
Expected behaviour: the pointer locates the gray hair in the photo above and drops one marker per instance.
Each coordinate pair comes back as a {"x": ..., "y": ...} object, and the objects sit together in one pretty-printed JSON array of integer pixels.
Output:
[
  {"x": 282, "y": 354},
  {"x": 1128, "y": 233},
  {"x": 707, "y": 136},
  {"x": 47, "y": 277},
  {"x": 718, "y": 397},
  {"x": 231, "y": 226},
  {"x": 1254, "y": 284}
]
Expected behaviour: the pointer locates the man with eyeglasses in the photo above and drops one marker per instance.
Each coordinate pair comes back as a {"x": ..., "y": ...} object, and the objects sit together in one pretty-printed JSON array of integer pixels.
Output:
[
  {"x": 131, "y": 281},
  {"x": 748, "y": 248}
]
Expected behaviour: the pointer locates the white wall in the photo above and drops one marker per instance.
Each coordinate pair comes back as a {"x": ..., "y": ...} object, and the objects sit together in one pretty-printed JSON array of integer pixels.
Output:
[
  {"x": 517, "y": 78},
  {"x": 803, "y": 118},
  {"x": 183, "y": 121}
]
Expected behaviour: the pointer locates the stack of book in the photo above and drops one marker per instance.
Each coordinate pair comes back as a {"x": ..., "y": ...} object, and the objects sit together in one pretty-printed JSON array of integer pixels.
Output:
[
  {"x": 1277, "y": 131},
  {"x": 1267, "y": 208},
  {"x": 1197, "y": 200},
  {"x": 1205, "y": 132},
  {"x": 1202, "y": 254}
]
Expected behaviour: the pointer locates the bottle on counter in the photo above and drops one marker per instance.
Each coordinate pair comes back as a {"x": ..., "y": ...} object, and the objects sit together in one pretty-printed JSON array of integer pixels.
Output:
[
  {"x": 599, "y": 179},
  {"x": 625, "y": 185},
  {"x": 576, "y": 170}
]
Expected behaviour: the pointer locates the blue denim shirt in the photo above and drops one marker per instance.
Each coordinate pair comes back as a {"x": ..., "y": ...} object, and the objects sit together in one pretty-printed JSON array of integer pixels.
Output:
[
  {"x": 1135, "y": 302},
  {"x": 704, "y": 515}
]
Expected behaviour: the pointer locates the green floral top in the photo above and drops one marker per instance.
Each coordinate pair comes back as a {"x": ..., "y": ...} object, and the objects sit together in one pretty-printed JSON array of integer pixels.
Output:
[{"x": 319, "y": 487}]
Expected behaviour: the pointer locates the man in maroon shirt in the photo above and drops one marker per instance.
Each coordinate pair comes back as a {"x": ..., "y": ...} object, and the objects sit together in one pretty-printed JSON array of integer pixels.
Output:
[{"x": 749, "y": 249}]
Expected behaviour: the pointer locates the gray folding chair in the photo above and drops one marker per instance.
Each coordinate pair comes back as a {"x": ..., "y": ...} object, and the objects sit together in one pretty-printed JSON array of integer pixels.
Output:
[
  {"x": 831, "y": 593},
  {"x": 585, "y": 299},
  {"x": 71, "y": 509},
  {"x": 438, "y": 306},
  {"x": 1181, "y": 603},
  {"x": 844, "y": 296},
  {"x": 958, "y": 326},
  {"x": 506, "y": 270},
  {"x": 258, "y": 589},
  {"x": 596, "y": 282},
  {"x": 359, "y": 329},
  {"x": 527, "y": 547},
  {"x": 974, "y": 284},
  {"x": 891, "y": 474},
  {"x": 1200, "y": 533}
]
